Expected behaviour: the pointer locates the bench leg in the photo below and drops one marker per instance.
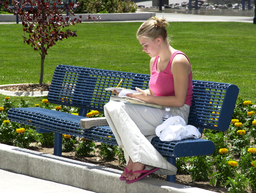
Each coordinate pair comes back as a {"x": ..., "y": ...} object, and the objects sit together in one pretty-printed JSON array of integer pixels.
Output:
[
  {"x": 171, "y": 178},
  {"x": 57, "y": 144}
]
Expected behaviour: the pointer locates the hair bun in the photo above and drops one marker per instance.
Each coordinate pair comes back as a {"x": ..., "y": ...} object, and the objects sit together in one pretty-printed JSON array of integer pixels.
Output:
[{"x": 159, "y": 22}]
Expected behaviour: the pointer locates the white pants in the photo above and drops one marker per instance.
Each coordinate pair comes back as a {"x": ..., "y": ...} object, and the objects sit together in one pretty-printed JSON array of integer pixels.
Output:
[{"x": 134, "y": 127}]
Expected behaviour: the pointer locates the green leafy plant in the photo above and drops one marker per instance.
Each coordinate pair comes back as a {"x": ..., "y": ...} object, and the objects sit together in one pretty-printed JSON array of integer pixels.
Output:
[
  {"x": 47, "y": 139},
  {"x": 238, "y": 184},
  {"x": 85, "y": 147},
  {"x": 196, "y": 165},
  {"x": 68, "y": 143},
  {"x": 7, "y": 104},
  {"x": 120, "y": 154},
  {"x": 24, "y": 136},
  {"x": 7, "y": 132},
  {"x": 107, "y": 152}
]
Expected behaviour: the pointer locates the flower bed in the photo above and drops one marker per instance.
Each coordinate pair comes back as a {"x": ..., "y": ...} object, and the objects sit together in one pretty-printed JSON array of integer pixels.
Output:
[{"x": 232, "y": 165}]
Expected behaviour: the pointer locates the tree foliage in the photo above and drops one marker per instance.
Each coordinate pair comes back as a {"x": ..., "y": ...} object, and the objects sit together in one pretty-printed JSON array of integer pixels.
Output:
[{"x": 43, "y": 24}]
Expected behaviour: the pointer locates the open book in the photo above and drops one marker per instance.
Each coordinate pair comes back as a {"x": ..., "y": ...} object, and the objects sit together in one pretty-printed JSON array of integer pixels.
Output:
[{"x": 122, "y": 97}]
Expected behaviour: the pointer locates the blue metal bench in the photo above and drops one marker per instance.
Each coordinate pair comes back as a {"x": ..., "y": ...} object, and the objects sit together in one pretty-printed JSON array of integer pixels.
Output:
[{"x": 212, "y": 108}]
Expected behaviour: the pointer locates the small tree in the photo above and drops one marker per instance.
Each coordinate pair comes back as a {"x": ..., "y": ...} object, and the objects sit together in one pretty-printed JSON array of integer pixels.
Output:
[{"x": 43, "y": 24}]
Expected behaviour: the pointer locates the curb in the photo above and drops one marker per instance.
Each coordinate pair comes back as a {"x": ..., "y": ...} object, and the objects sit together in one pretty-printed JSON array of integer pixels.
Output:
[
  {"x": 22, "y": 93},
  {"x": 104, "y": 17},
  {"x": 80, "y": 174}
]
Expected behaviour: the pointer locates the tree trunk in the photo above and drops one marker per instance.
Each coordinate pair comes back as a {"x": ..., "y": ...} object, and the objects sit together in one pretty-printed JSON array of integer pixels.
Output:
[{"x": 42, "y": 69}]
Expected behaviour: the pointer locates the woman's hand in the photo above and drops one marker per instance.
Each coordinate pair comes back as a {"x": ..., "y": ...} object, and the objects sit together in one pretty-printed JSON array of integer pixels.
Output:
[
  {"x": 142, "y": 95},
  {"x": 115, "y": 92}
]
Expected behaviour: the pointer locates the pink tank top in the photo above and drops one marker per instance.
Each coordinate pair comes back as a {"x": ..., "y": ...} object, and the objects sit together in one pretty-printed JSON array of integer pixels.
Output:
[{"x": 161, "y": 83}]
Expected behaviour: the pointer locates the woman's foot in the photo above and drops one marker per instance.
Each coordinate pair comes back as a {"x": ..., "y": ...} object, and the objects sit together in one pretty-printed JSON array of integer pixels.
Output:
[
  {"x": 136, "y": 166},
  {"x": 127, "y": 171}
]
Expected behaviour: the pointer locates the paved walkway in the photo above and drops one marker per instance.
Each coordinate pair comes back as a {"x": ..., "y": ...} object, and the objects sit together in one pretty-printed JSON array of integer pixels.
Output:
[{"x": 17, "y": 183}]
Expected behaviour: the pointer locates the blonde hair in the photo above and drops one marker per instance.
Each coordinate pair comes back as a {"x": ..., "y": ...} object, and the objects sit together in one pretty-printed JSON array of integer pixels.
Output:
[{"x": 153, "y": 28}]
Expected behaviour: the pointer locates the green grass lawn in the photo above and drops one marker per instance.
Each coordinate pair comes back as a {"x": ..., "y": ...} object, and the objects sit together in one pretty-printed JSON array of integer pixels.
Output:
[{"x": 222, "y": 52}]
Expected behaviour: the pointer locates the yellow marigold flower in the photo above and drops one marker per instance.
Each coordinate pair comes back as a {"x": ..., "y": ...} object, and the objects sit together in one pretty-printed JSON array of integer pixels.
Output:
[
  {"x": 7, "y": 98},
  {"x": 232, "y": 163},
  {"x": 6, "y": 121},
  {"x": 247, "y": 102},
  {"x": 74, "y": 113},
  {"x": 66, "y": 136},
  {"x": 89, "y": 114},
  {"x": 95, "y": 112},
  {"x": 1, "y": 108},
  {"x": 20, "y": 130},
  {"x": 238, "y": 124},
  {"x": 36, "y": 105},
  {"x": 83, "y": 139},
  {"x": 58, "y": 107},
  {"x": 251, "y": 150},
  {"x": 45, "y": 101},
  {"x": 234, "y": 120},
  {"x": 254, "y": 122},
  {"x": 223, "y": 150},
  {"x": 250, "y": 113},
  {"x": 254, "y": 163},
  {"x": 241, "y": 132}
]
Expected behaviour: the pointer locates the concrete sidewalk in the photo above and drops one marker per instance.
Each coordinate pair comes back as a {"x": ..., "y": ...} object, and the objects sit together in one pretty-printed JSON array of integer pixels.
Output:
[
  {"x": 140, "y": 17},
  {"x": 18, "y": 183},
  {"x": 30, "y": 171}
]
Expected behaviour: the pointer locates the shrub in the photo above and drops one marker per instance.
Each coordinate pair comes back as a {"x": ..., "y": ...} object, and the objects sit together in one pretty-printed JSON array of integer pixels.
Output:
[
  {"x": 106, "y": 6},
  {"x": 85, "y": 148}
]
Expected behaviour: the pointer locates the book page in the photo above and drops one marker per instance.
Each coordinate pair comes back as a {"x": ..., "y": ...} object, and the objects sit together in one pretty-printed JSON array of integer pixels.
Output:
[
  {"x": 118, "y": 89},
  {"x": 126, "y": 91}
]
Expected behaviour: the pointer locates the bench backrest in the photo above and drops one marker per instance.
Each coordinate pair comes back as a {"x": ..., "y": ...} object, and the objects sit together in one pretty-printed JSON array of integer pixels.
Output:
[{"x": 213, "y": 103}]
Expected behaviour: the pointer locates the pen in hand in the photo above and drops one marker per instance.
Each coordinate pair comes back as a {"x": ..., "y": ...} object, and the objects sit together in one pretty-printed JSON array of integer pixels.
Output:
[{"x": 117, "y": 85}]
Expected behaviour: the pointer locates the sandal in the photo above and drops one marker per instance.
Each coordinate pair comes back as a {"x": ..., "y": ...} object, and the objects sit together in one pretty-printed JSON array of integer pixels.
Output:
[
  {"x": 127, "y": 172},
  {"x": 144, "y": 173}
]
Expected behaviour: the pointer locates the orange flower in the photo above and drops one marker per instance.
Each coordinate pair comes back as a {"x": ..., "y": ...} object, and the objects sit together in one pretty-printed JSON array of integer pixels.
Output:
[
  {"x": 66, "y": 136},
  {"x": 232, "y": 163},
  {"x": 234, "y": 120},
  {"x": 45, "y": 101},
  {"x": 241, "y": 132},
  {"x": 58, "y": 107},
  {"x": 20, "y": 130},
  {"x": 223, "y": 150},
  {"x": 251, "y": 150},
  {"x": 238, "y": 124},
  {"x": 250, "y": 113},
  {"x": 247, "y": 102},
  {"x": 6, "y": 121}
]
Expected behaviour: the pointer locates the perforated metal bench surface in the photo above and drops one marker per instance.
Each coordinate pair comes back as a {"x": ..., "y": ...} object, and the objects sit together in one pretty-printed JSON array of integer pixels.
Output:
[{"x": 212, "y": 107}]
